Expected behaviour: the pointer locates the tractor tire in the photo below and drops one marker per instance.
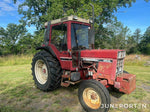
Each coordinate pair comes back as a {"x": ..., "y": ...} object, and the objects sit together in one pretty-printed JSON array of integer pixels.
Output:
[
  {"x": 46, "y": 71},
  {"x": 93, "y": 96}
]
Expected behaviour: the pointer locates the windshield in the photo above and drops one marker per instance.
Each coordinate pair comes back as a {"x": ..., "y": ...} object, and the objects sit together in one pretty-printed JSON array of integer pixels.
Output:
[{"x": 79, "y": 36}]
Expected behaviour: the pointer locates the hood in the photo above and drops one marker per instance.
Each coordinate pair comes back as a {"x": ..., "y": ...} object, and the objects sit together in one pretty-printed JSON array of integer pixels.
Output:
[{"x": 95, "y": 53}]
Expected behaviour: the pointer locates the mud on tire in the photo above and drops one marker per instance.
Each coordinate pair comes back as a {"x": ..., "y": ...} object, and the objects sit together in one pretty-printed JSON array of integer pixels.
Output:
[{"x": 46, "y": 71}]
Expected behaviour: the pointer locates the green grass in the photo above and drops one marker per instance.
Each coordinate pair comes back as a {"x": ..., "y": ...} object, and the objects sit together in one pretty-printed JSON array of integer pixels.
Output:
[
  {"x": 10, "y": 109},
  {"x": 15, "y": 60},
  {"x": 19, "y": 94}
]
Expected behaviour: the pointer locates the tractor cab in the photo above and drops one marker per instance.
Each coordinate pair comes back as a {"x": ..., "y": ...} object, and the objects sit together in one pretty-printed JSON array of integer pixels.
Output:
[
  {"x": 72, "y": 29},
  {"x": 67, "y": 37}
]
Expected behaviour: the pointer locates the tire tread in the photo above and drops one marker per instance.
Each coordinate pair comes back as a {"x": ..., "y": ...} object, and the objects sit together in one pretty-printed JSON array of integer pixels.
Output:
[{"x": 54, "y": 65}]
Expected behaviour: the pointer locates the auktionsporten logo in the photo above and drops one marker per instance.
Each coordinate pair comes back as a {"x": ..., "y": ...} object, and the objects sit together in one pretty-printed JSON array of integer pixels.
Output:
[{"x": 126, "y": 105}]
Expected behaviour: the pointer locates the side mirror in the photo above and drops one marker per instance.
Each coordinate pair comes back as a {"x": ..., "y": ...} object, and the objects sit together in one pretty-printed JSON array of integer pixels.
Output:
[{"x": 91, "y": 21}]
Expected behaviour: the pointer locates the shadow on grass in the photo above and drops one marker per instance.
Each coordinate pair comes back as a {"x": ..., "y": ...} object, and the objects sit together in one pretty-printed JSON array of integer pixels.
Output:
[
  {"x": 72, "y": 88},
  {"x": 115, "y": 93}
]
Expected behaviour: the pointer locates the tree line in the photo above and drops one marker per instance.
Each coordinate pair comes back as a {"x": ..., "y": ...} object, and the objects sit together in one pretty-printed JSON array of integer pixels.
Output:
[
  {"x": 109, "y": 33},
  {"x": 117, "y": 36}
]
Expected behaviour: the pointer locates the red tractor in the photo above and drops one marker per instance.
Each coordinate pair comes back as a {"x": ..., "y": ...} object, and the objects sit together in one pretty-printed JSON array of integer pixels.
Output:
[{"x": 68, "y": 57}]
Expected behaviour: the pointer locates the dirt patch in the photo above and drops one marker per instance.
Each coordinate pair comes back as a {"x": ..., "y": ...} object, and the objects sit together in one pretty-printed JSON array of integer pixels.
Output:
[
  {"x": 145, "y": 87},
  {"x": 60, "y": 100}
]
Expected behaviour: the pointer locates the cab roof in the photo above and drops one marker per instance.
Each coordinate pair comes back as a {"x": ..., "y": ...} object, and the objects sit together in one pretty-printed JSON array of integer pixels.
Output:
[{"x": 69, "y": 18}]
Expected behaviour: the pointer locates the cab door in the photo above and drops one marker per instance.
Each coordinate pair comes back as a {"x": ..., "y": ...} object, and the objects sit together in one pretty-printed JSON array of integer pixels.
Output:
[{"x": 58, "y": 42}]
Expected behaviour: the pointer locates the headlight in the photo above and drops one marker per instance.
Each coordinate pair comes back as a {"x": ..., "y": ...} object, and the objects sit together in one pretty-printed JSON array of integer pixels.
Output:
[
  {"x": 90, "y": 73},
  {"x": 119, "y": 70},
  {"x": 121, "y": 54}
]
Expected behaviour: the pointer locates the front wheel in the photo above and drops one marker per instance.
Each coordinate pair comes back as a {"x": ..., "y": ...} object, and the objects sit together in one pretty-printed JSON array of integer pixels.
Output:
[{"x": 93, "y": 96}]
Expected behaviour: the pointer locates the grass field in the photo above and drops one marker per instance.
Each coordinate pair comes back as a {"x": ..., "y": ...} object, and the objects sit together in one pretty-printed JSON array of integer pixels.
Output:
[{"x": 19, "y": 94}]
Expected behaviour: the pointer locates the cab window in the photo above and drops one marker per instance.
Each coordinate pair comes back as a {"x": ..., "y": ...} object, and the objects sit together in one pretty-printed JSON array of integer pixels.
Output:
[{"x": 59, "y": 37}]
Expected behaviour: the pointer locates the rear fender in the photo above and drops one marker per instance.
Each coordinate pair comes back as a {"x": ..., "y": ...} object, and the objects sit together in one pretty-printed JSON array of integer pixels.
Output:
[{"x": 48, "y": 49}]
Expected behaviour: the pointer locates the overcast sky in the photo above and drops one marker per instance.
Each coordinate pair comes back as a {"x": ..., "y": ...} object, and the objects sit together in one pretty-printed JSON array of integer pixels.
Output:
[{"x": 137, "y": 16}]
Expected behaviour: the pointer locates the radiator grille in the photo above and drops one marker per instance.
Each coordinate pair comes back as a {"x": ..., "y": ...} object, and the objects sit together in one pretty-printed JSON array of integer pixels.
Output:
[{"x": 119, "y": 69}]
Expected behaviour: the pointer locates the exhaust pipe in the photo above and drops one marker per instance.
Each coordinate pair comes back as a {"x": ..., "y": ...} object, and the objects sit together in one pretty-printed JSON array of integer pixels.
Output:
[
  {"x": 92, "y": 32},
  {"x": 92, "y": 15}
]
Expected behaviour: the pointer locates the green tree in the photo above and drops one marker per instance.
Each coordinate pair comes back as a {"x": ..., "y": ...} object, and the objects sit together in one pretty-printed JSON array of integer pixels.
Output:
[
  {"x": 133, "y": 41},
  {"x": 103, "y": 38},
  {"x": 144, "y": 45},
  {"x": 131, "y": 46},
  {"x": 10, "y": 36},
  {"x": 137, "y": 35},
  {"x": 38, "y": 12},
  {"x": 25, "y": 44},
  {"x": 120, "y": 35},
  {"x": 38, "y": 38},
  {"x": 114, "y": 36}
]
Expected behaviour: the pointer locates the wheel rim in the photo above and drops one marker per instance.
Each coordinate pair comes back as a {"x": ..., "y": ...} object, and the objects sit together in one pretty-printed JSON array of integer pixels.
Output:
[
  {"x": 41, "y": 72},
  {"x": 91, "y": 98}
]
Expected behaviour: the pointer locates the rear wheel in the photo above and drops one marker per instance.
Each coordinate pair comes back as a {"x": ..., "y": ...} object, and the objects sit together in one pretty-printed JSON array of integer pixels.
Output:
[
  {"x": 46, "y": 71},
  {"x": 93, "y": 96}
]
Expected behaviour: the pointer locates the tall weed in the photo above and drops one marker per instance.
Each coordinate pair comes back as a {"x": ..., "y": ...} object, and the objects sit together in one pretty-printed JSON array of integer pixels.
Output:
[
  {"x": 136, "y": 60},
  {"x": 15, "y": 60}
]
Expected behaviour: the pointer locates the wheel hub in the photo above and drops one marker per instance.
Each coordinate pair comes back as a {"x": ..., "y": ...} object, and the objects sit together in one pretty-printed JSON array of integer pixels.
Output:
[
  {"x": 44, "y": 71},
  {"x": 91, "y": 98},
  {"x": 41, "y": 71}
]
